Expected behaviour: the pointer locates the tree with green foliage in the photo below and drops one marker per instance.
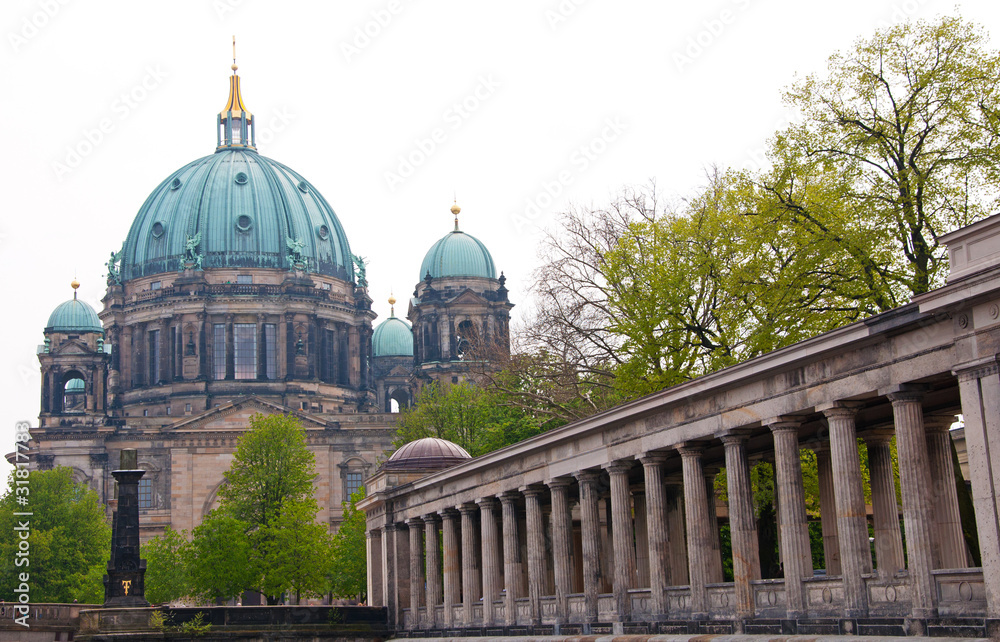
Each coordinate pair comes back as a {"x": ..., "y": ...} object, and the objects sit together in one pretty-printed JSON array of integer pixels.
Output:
[
  {"x": 896, "y": 145},
  {"x": 70, "y": 539},
  {"x": 220, "y": 561},
  {"x": 293, "y": 550},
  {"x": 166, "y": 576},
  {"x": 471, "y": 416},
  {"x": 348, "y": 570}
]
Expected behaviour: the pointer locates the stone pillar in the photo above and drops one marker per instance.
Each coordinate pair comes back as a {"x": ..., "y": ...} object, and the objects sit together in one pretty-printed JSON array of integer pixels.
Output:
[
  {"x": 979, "y": 386},
  {"x": 375, "y": 597},
  {"x": 699, "y": 540},
  {"x": 416, "y": 526},
  {"x": 536, "y": 550},
  {"x": 562, "y": 533},
  {"x": 715, "y": 559},
  {"x": 490, "y": 557},
  {"x": 852, "y": 522},
  {"x": 793, "y": 526},
  {"x": 827, "y": 510},
  {"x": 677, "y": 555},
  {"x": 590, "y": 531},
  {"x": 949, "y": 542},
  {"x": 641, "y": 538},
  {"x": 742, "y": 523},
  {"x": 623, "y": 537},
  {"x": 915, "y": 482},
  {"x": 470, "y": 562},
  {"x": 657, "y": 534},
  {"x": 433, "y": 563},
  {"x": 512, "y": 556},
  {"x": 885, "y": 510},
  {"x": 398, "y": 578},
  {"x": 452, "y": 563}
]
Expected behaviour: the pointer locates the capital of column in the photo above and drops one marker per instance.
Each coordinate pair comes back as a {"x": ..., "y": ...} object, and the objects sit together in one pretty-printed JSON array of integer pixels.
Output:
[
  {"x": 839, "y": 409},
  {"x": 653, "y": 458},
  {"x": 432, "y": 518},
  {"x": 905, "y": 393},
  {"x": 618, "y": 466},
  {"x": 509, "y": 497},
  {"x": 587, "y": 476},
  {"x": 977, "y": 369},
  {"x": 783, "y": 423},
  {"x": 878, "y": 436},
  {"x": 375, "y": 533},
  {"x": 487, "y": 503},
  {"x": 731, "y": 439},
  {"x": 467, "y": 509},
  {"x": 559, "y": 482},
  {"x": 691, "y": 449},
  {"x": 530, "y": 491},
  {"x": 938, "y": 423},
  {"x": 415, "y": 522},
  {"x": 449, "y": 514}
]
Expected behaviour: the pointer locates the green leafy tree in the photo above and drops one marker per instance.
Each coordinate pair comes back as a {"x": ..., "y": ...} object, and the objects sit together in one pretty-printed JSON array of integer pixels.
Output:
[
  {"x": 166, "y": 577},
  {"x": 70, "y": 539},
  {"x": 293, "y": 550},
  {"x": 473, "y": 417},
  {"x": 348, "y": 570},
  {"x": 220, "y": 560},
  {"x": 896, "y": 145}
]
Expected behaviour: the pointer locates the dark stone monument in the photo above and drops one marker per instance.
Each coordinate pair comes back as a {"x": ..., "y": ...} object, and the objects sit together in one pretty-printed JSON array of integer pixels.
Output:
[{"x": 124, "y": 585}]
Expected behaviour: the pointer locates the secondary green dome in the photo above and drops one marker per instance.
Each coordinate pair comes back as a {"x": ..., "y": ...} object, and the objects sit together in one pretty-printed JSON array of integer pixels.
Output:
[
  {"x": 74, "y": 385},
  {"x": 393, "y": 338},
  {"x": 74, "y": 316},
  {"x": 458, "y": 254},
  {"x": 238, "y": 209}
]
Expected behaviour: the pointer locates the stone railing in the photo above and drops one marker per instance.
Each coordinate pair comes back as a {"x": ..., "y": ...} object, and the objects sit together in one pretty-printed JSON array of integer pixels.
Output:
[
  {"x": 47, "y": 617},
  {"x": 961, "y": 592}
]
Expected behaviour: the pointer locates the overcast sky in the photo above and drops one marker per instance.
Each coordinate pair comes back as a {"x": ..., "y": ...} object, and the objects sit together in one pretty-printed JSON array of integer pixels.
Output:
[{"x": 389, "y": 108}]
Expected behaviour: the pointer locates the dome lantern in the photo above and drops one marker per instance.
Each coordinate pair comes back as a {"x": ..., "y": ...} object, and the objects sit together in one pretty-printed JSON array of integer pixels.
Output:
[
  {"x": 235, "y": 125},
  {"x": 458, "y": 254}
]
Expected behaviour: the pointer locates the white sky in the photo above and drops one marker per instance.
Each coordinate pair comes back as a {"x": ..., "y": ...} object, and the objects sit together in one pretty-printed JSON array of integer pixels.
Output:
[{"x": 595, "y": 92}]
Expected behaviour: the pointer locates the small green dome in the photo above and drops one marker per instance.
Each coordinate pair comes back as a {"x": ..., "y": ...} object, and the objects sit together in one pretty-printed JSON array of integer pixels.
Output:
[
  {"x": 393, "y": 338},
  {"x": 458, "y": 254},
  {"x": 74, "y": 385},
  {"x": 74, "y": 316}
]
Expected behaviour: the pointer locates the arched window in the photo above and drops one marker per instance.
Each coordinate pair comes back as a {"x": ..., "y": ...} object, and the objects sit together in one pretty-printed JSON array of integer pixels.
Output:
[
  {"x": 468, "y": 339},
  {"x": 74, "y": 395}
]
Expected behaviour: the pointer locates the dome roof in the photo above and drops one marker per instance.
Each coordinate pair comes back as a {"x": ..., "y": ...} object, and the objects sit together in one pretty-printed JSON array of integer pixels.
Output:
[
  {"x": 393, "y": 338},
  {"x": 429, "y": 452},
  {"x": 74, "y": 385},
  {"x": 244, "y": 210},
  {"x": 458, "y": 254},
  {"x": 74, "y": 316}
]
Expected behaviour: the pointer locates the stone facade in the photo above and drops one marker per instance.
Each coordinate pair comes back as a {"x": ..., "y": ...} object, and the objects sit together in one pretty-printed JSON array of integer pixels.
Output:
[{"x": 606, "y": 525}]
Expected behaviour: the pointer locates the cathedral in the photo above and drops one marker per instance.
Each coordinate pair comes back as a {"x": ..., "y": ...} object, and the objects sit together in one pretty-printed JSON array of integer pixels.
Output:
[{"x": 236, "y": 292}]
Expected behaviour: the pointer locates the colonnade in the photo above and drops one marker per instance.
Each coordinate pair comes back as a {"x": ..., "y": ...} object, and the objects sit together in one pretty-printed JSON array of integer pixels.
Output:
[{"x": 539, "y": 553}]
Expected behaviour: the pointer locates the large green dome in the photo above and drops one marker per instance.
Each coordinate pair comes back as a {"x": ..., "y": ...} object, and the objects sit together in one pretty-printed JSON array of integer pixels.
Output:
[
  {"x": 393, "y": 338},
  {"x": 74, "y": 316},
  {"x": 458, "y": 254},
  {"x": 246, "y": 209}
]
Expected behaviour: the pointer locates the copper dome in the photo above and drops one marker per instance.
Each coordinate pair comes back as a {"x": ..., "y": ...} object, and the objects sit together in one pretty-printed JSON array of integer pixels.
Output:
[{"x": 429, "y": 452}]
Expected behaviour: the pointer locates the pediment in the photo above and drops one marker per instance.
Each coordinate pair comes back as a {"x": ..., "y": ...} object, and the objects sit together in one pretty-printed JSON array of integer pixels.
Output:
[
  {"x": 400, "y": 371},
  {"x": 235, "y": 416},
  {"x": 71, "y": 347},
  {"x": 468, "y": 296}
]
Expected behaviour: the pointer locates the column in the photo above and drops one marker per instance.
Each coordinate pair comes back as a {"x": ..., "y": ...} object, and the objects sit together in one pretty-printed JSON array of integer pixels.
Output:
[
  {"x": 677, "y": 556},
  {"x": 433, "y": 564},
  {"x": 562, "y": 533},
  {"x": 641, "y": 538},
  {"x": 375, "y": 567},
  {"x": 715, "y": 561},
  {"x": 742, "y": 523},
  {"x": 949, "y": 542},
  {"x": 470, "y": 561},
  {"x": 490, "y": 557},
  {"x": 852, "y": 522},
  {"x": 979, "y": 386},
  {"x": 512, "y": 556},
  {"x": 416, "y": 569},
  {"x": 536, "y": 550},
  {"x": 399, "y": 589},
  {"x": 915, "y": 482},
  {"x": 452, "y": 563},
  {"x": 885, "y": 510},
  {"x": 622, "y": 537},
  {"x": 657, "y": 534},
  {"x": 699, "y": 540},
  {"x": 793, "y": 526},
  {"x": 590, "y": 531},
  {"x": 827, "y": 510}
]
